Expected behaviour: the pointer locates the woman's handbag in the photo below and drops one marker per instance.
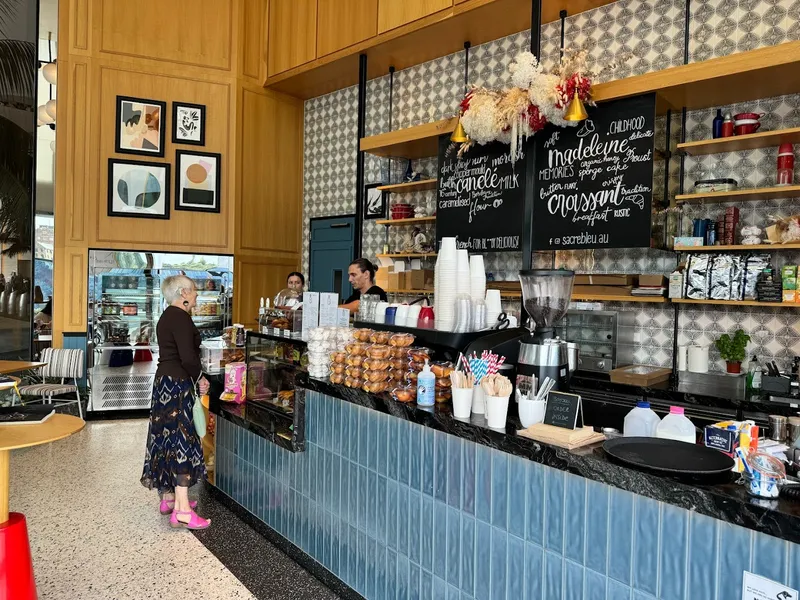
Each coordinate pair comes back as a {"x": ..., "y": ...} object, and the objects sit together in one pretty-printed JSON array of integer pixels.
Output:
[{"x": 198, "y": 414}]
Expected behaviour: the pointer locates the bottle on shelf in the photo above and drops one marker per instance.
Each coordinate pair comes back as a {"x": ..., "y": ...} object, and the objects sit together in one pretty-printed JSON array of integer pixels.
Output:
[
  {"x": 727, "y": 125},
  {"x": 754, "y": 375},
  {"x": 641, "y": 421},
  {"x": 785, "y": 165},
  {"x": 716, "y": 126},
  {"x": 676, "y": 426}
]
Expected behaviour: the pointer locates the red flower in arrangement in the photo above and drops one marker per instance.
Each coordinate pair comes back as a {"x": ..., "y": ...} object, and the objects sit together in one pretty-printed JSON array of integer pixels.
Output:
[
  {"x": 567, "y": 89},
  {"x": 536, "y": 120},
  {"x": 465, "y": 102}
]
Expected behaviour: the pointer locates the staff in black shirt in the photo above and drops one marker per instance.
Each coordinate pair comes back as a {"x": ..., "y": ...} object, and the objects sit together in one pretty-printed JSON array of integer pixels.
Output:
[{"x": 362, "y": 278}]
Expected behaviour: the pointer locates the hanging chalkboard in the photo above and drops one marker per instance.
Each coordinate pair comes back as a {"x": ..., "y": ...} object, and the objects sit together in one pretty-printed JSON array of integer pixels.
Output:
[
  {"x": 595, "y": 181},
  {"x": 481, "y": 197},
  {"x": 563, "y": 410}
]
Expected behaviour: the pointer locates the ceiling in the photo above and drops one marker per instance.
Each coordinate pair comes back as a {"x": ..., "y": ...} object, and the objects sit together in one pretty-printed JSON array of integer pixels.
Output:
[{"x": 48, "y": 18}]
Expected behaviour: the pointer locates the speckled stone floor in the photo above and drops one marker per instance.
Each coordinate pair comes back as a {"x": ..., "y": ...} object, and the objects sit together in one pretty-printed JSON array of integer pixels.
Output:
[{"x": 95, "y": 532}]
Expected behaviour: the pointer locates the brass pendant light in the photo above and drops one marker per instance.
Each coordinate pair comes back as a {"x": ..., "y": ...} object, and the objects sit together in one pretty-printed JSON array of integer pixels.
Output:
[
  {"x": 459, "y": 136},
  {"x": 576, "y": 111}
]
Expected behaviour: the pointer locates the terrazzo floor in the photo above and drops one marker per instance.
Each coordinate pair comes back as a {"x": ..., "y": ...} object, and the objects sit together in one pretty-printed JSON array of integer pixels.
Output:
[{"x": 95, "y": 531}]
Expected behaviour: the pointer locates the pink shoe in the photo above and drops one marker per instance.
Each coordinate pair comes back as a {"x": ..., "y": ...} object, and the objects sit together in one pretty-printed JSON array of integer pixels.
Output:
[
  {"x": 195, "y": 522},
  {"x": 168, "y": 505}
]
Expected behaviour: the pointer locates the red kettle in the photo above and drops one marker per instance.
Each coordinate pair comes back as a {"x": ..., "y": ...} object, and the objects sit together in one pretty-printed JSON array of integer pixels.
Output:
[{"x": 426, "y": 318}]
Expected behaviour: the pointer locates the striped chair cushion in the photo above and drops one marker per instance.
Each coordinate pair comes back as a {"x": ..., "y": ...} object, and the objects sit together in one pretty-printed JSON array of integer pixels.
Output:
[
  {"x": 62, "y": 363},
  {"x": 46, "y": 389}
]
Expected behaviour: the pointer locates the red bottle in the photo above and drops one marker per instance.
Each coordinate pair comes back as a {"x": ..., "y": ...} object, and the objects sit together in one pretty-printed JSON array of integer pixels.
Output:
[
  {"x": 727, "y": 126},
  {"x": 785, "y": 164}
]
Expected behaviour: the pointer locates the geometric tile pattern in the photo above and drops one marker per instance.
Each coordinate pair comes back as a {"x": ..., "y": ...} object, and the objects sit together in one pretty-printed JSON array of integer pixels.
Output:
[
  {"x": 640, "y": 36},
  {"x": 446, "y": 518}
]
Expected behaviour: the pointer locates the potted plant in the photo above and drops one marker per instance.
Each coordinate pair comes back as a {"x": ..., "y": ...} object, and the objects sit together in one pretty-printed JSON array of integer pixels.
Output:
[{"x": 732, "y": 349}]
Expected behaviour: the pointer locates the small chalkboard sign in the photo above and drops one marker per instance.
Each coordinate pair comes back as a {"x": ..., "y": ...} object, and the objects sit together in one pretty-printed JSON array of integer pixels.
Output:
[{"x": 563, "y": 410}]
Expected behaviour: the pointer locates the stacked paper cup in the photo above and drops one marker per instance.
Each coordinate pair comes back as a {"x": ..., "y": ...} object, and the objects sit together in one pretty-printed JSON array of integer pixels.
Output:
[
  {"x": 493, "y": 307},
  {"x": 445, "y": 285},
  {"x": 462, "y": 272},
  {"x": 477, "y": 277}
]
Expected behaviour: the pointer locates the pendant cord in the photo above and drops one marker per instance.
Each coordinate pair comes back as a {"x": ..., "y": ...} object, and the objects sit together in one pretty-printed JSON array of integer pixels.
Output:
[{"x": 467, "y": 46}]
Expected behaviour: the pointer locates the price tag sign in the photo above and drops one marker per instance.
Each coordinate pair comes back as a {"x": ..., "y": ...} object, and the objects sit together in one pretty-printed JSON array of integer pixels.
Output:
[
  {"x": 755, "y": 587},
  {"x": 563, "y": 410}
]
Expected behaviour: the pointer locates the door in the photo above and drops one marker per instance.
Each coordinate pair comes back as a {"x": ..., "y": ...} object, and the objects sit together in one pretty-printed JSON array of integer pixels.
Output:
[{"x": 330, "y": 253}]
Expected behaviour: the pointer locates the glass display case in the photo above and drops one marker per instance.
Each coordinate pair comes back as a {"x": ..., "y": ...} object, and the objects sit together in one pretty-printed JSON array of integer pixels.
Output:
[
  {"x": 604, "y": 338},
  {"x": 125, "y": 304},
  {"x": 275, "y": 371}
]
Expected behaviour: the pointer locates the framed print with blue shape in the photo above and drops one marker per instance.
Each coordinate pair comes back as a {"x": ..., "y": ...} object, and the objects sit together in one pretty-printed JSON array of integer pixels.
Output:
[{"x": 138, "y": 189}]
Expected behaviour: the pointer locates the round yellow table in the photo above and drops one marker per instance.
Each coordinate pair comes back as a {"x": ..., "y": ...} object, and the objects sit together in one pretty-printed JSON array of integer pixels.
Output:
[{"x": 16, "y": 567}]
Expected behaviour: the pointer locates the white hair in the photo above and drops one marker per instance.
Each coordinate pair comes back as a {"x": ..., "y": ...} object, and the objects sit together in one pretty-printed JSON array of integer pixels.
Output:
[{"x": 173, "y": 285}]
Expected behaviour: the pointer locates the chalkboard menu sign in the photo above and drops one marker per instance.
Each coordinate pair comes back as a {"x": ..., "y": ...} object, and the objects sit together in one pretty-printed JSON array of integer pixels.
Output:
[
  {"x": 595, "y": 181},
  {"x": 481, "y": 197},
  {"x": 563, "y": 410}
]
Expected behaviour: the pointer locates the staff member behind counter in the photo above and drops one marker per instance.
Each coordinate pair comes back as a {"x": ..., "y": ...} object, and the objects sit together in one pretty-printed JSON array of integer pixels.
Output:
[{"x": 362, "y": 278}]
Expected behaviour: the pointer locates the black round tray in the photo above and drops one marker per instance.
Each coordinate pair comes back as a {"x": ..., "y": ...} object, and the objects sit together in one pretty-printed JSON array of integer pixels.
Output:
[{"x": 669, "y": 456}]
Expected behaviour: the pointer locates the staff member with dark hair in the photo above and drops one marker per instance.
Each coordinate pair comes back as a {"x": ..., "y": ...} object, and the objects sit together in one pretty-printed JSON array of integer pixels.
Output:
[
  {"x": 295, "y": 281},
  {"x": 362, "y": 277}
]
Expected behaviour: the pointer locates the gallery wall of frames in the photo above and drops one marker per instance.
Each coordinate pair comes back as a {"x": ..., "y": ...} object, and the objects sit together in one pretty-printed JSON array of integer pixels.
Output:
[{"x": 166, "y": 140}]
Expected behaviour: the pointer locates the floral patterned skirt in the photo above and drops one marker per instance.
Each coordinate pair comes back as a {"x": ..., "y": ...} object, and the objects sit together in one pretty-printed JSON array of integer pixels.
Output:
[{"x": 174, "y": 455}]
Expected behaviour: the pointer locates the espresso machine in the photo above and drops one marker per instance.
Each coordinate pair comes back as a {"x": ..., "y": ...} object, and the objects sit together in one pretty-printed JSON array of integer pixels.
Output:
[{"x": 546, "y": 295}]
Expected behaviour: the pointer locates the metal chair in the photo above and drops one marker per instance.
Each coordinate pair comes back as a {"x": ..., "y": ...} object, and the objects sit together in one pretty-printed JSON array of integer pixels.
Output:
[{"x": 61, "y": 364}]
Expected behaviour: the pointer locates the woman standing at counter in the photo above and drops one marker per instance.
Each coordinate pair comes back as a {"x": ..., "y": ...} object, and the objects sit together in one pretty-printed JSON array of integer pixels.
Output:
[
  {"x": 362, "y": 277},
  {"x": 174, "y": 457}
]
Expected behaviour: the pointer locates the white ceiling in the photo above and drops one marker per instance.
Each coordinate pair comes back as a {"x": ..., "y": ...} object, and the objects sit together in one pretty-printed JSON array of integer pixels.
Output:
[{"x": 48, "y": 18}]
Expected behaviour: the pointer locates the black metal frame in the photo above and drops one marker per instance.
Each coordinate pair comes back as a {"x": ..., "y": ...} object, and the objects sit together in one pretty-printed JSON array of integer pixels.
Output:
[{"x": 360, "y": 133}]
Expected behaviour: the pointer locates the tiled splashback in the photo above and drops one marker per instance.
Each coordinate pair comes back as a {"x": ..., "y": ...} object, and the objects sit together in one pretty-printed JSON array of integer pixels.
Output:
[
  {"x": 643, "y": 36},
  {"x": 449, "y": 519}
]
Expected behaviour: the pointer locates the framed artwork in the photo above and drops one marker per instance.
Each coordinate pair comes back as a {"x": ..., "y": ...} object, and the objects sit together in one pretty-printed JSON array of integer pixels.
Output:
[
  {"x": 197, "y": 182},
  {"x": 188, "y": 123},
  {"x": 138, "y": 189},
  {"x": 375, "y": 202},
  {"x": 141, "y": 126}
]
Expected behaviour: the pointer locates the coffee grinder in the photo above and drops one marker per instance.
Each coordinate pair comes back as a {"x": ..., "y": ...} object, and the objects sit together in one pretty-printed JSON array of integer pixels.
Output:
[{"x": 546, "y": 295}]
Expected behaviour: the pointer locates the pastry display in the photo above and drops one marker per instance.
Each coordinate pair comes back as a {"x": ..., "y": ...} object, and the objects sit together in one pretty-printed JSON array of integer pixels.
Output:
[
  {"x": 375, "y": 387},
  {"x": 337, "y": 368},
  {"x": 378, "y": 351},
  {"x": 401, "y": 340},
  {"x": 362, "y": 335},
  {"x": 419, "y": 355},
  {"x": 442, "y": 369},
  {"x": 374, "y": 376},
  {"x": 356, "y": 348},
  {"x": 376, "y": 364},
  {"x": 399, "y": 364},
  {"x": 353, "y": 382},
  {"x": 354, "y": 360},
  {"x": 404, "y": 393},
  {"x": 337, "y": 377},
  {"x": 355, "y": 372},
  {"x": 338, "y": 356},
  {"x": 379, "y": 337},
  {"x": 399, "y": 352}
]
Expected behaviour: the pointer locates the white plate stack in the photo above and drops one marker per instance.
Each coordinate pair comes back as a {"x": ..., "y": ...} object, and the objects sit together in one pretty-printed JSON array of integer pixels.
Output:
[
  {"x": 477, "y": 277},
  {"x": 445, "y": 285},
  {"x": 462, "y": 272},
  {"x": 493, "y": 307}
]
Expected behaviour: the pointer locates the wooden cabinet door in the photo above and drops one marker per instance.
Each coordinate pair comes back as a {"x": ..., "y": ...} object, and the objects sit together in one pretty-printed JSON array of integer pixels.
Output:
[
  {"x": 342, "y": 23},
  {"x": 292, "y": 34},
  {"x": 394, "y": 13}
]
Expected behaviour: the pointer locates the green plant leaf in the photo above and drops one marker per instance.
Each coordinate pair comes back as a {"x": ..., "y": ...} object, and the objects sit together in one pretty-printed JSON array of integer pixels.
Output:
[
  {"x": 18, "y": 65},
  {"x": 15, "y": 214}
]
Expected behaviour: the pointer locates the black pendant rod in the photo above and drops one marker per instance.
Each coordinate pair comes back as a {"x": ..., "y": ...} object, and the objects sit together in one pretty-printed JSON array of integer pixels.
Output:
[
  {"x": 362, "y": 128},
  {"x": 530, "y": 149},
  {"x": 467, "y": 46},
  {"x": 563, "y": 16}
]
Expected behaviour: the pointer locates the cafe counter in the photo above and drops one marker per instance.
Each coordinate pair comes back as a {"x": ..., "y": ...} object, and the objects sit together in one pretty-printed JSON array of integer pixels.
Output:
[{"x": 388, "y": 496}]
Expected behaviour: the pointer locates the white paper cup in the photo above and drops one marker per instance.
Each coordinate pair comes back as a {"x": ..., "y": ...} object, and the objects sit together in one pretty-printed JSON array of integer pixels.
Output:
[
  {"x": 478, "y": 400},
  {"x": 531, "y": 412},
  {"x": 462, "y": 402},
  {"x": 496, "y": 411}
]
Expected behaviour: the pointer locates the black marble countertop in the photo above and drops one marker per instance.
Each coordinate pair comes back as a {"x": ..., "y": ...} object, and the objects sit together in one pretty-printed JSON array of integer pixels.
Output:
[{"x": 724, "y": 500}]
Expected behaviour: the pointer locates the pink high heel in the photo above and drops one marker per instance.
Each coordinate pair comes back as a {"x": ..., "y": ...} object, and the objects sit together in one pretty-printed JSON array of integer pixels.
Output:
[
  {"x": 194, "y": 523},
  {"x": 168, "y": 505}
]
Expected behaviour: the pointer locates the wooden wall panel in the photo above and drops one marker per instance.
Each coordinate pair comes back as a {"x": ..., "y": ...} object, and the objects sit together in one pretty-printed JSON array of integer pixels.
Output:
[
  {"x": 205, "y": 232},
  {"x": 292, "y": 34},
  {"x": 394, "y": 13},
  {"x": 271, "y": 186},
  {"x": 77, "y": 109},
  {"x": 342, "y": 23},
  {"x": 195, "y": 32},
  {"x": 255, "y": 277},
  {"x": 254, "y": 15},
  {"x": 79, "y": 24}
]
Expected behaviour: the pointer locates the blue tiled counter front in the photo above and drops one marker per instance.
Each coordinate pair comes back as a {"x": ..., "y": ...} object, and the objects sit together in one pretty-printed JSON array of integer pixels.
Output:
[{"x": 398, "y": 510}]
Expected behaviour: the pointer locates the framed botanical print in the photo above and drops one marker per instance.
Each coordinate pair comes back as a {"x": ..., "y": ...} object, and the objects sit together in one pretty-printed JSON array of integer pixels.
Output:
[
  {"x": 138, "y": 189},
  {"x": 197, "y": 182},
  {"x": 375, "y": 202},
  {"x": 188, "y": 123},
  {"x": 141, "y": 126}
]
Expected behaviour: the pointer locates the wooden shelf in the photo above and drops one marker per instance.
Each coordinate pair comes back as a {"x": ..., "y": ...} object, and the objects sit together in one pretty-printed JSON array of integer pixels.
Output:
[
  {"x": 619, "y": 298},
  {"x": 740, "y": 77},
  {"x": 434, "y": 36},
  {"x": 738, "y": 303},
  {"x": 411, "y": 221},
  {"x": 737, "y": 143},
  {"x": 414, "y": 186},
  {"x": 783, "y": 191},
  {"x": 408, "y": 291},
  {"x": 414, "y": 142},
  {"x": 406, "y": 255},
  {"x": 737, "y": 248}
]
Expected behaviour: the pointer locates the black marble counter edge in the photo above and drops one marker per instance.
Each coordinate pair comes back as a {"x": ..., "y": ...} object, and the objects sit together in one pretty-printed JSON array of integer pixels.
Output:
[
  {"x": 258, "y": 421},
  {"x": 728, "y": 502}
]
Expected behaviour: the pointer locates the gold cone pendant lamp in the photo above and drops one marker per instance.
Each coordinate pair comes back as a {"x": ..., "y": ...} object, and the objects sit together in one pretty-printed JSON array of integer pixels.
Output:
[
  {"x": 576, "y": 111},
  {"x": 459, "y": 136}
]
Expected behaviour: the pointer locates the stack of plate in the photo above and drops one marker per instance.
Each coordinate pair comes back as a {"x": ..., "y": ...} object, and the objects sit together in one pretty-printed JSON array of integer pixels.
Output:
[
  {"x": 477, "y": 277},
  {"x": 445, "y": 284},
  {"x": 462, "y": 272}
]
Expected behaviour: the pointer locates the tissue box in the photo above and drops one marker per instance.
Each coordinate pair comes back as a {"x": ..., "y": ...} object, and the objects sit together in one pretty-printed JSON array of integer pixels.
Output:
[{"x": 689, "y": 241}]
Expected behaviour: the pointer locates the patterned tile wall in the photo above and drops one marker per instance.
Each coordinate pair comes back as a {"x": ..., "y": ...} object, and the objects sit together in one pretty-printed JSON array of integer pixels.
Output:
[
  {"x": 639, "y": 35},
  {"x": 450, "y": 519}
]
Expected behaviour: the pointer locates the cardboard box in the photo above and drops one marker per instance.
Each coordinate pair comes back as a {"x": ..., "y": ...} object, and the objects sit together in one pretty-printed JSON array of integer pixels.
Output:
[
  {"x": 382, "y": 278},
  {"x": 394, "y": 281},
  {"x": 789, "y": 283},
  {"x": 789, "y": 296},
  {"x": 419, "y": 278},
  {"x": 788, "y": 271},
  {"x": 596, "y": 291},
  {"x": 652, "y": 280},
  {"x": 676, "y": 284},
  {"x": 604, "y": 280}
]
